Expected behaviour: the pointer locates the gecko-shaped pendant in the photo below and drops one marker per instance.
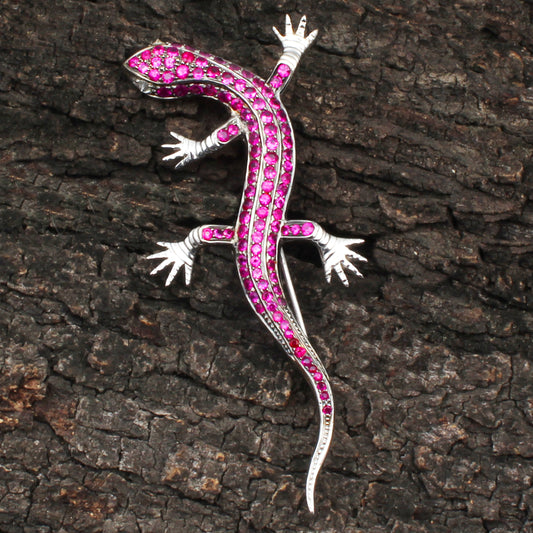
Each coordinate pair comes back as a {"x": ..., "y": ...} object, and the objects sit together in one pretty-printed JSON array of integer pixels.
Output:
[{"x": 257, "y": 114}]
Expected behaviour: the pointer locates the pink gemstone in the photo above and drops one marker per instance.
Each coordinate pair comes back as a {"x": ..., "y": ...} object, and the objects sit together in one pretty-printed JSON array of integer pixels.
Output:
[
  {"x": 280, "y": 202},
  {"x": 253, "y": 125},
  {"x": 321, "y": 385},
  {"x": 198, "y": 73},
  {"x": 271, "y": 158},
  {"x": 271, "y": 265},
  {"x": 262, "y": 284},
  {"x": 243, "y": 231},
  {"x": 254, "y": 139},
  {"x": 257, "y": 237},
  {"x": 274, "y": 226},
  {"x": 134, "y": 62},
  {"x": 218, "y": 233},
  {"x": 277, "y": 316},
  {"x": 233, "y": 130},
  {"x": 267, "y": 117},
  {"x": 272, "y": 238},
  {"x": 225, "y": 97},
  {"x": 282, "y": 301},
  {"x": 307, "y": 228},
  {"x": 247, "y": 204},
  {"x": 273, "y": 277},
  {"x": 284, "y": 325},
  {"x": 256, "y": 273},
  {"x": 227, "y": 78},
  {"x": 168, "y": 77},
  {"x": 247, "y": 74},
  {"x": 306, "y": 361},
  {"x": 282, "y": 116},
  {"x": 259, "y": 103},
  {"x": 182, "y": 71},
  {"x": 237, "y": 104},
  {"x": 146, "y": 55},
  {"x": 207, "y": 234},
  {"x": 170, "y": 61},
  {"x": 276, "y": 82},
  {"x": 240, "y": 85},
  {"x": 256, "y": 249},
  {"x": 172, "y": 51},
  {"x": 262, "y": 212},
  {"x": 228, "y": 233},
  {"x": 242, "y": 246},
  {"x": 296, "y": 229},
  {"x": 272, "y": 308},
  {"x": 249, "y": 192},
  {"x": 250, "y": 93},
  {"x": 327, "y": 410},
  {"x": 265, "y": 199},
  {"x": 181, "y": 90},
  {"x": 268, "y": 297},
  {"x": 270, "y": 172},
  {"x": 300, "y": 352},
  {"x": 213, "y": 72},
  {"x": 187, "y": 57},
  {"x": 201, "y": 62},
  {"x": 241, "y": 259},
  {"x": 271, "y": 129},
  {"x": 324, "y": 396},
  {"x": 260, "y": 308},
  {"x": 289, "y": 334},
  {"x": 268, "y": 185},
  {"x": 287, "y": 142},
  {"x": 272, "y": 143},
  {"x": 277, "y": 290},
  {"x": 164, "y": 92},
  {"x": 244, "y": 272},
  {"x": 284, "y": 70},
  {"x": 156, "y": 62},
  {"x": 245, "y": 217},
  {"x": 154, "y": 74},
  {"x": 254, "y": 297},
  {"x": 271, "y": 251},
  {"x": 267, "y": 91},
  {"x": 278, "y": 214},
  {"x": 286, "y": 230},
  {"x": 312, "y": 369},
  {"x": 254, "y": 164},
  {"x": 317, "y": 376},
  {"x": 287, "y": 165},
  {"x": 275, "y": 104},
  {"x": 286, "y": 129},
  {"x": 248, "y": 284},
  {"x": 255, "y": 261},
  {"x": 260, "y": 225},
  {"x": 158, "y": 50},
  {"x": 255, "y": 151}
]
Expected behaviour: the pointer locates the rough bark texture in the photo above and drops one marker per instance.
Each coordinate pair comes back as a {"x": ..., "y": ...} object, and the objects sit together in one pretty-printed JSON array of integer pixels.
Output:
[{"x": 125, "y": 406}]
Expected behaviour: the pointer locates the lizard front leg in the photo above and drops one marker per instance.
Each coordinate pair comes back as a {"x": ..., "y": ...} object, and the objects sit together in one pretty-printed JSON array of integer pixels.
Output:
[
  {"x": 294, "y": 45},
  {"x": 189, "y": 150},
  {"x": 334, "y": 251},
  {"x": 181, "y": 254}
]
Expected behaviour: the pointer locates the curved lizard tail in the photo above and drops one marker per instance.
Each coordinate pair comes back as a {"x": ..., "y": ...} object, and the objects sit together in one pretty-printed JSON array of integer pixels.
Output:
[
  {"x": 321, "y": 450},
  {"x": 317, "y": 376}
]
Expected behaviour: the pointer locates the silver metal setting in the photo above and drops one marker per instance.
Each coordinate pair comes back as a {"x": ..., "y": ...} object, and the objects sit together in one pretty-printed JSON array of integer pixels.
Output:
[{"x": 173, "y": 71}]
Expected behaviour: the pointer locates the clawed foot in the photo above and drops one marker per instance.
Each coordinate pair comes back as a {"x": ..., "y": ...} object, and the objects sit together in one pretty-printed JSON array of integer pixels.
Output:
[
  {"x": 185, "y": 148},
  {"x": 179, "y": 253},
  {"x": 296, "y": 40},
  {"x": 336, "y": 256}
]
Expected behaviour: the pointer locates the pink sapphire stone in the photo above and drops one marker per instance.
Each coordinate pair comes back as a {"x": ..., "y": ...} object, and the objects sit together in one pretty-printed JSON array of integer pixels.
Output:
[
  {"x": 307, "y": 228},
  {"x": 300, "y": 352},
  {"x": 198, "y": 73},
  {"x": 259, "y": 103},
  {"x": 187, "y": 57},
  {"x": 227, "y": 78},
  {"x": 270, "y": 129},
  {"x": 284, "y": 70},
  {"x": 168, "y": 77},
  {"x": 276, "y": 82},
  {"x": 262, "y": 212},
  {"x": 277, "y": 316},
  {"x": 170, "y": 61},
  {"x": 260, "y": 225},
  {"x": 289, "y": 334},
  {"x": 262, "y": 284},
  {"x": 271, "y": 158},
  {"x": 257, "y": 237},
  {"x": 207, "y": 234},
  {"x": 265, "y": 199},
  {"x": 134, "y": 62},
  {"x": 296, "y": 229},
  {"x": 240, "y": 85},
  {"x": 272, "y": 143},
  {"x": 255, "y": 261},
  {"x": 324, "y": 396},
  {"x": 223, "y": 136},
  {"x": 250, "y": 93},
  {"x": 201, "y": 61},
  {"x": 306, "y": 361},
  {"x": 146, "y": 55},
  {"x": 267, "y": 117},
  {"x": 182, "y": 71},
  {"x": 213, "y": 72},
  {"x": 317, "y": 376},
  {"x": 268, "y": 185},
  {"x": 327, "y": 409},
  {"x": 156, "y": 62},
  {"x": 233, "y": 129},
  {"x": 154, "y": 74},
  {"x": 270, "y": 172},
  {"x": 321, "y": 385},
  {"x": 256, "y": 273},
  {"x": 256, "y": 249}
]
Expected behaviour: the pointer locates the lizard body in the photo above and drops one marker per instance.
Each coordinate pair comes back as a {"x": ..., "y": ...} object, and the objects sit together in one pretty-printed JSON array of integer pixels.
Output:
[{"x": 257, "y": 113}]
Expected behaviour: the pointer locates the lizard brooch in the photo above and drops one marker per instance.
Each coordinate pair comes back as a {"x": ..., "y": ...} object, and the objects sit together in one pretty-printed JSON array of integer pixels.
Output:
[{"x": 169, "y": 71}]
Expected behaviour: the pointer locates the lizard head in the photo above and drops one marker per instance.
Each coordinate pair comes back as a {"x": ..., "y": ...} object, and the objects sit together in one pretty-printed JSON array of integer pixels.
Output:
[{"x": 166, "y": 70}]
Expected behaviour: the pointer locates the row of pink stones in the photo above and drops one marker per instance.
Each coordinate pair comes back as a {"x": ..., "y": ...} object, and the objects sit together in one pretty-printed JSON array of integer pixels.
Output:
[
  {"x": 294, "y": 230},
  {"x": 217, "y": 234},
  {"x": 307, "y": 362}
]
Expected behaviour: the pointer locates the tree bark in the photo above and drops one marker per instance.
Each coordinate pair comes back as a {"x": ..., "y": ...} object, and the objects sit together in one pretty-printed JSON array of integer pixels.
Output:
[{"x": 126, "y": 406}]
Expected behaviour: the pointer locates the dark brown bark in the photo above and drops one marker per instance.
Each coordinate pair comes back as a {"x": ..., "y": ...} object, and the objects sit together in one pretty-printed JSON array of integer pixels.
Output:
[{"x": 126, "y": 406}]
